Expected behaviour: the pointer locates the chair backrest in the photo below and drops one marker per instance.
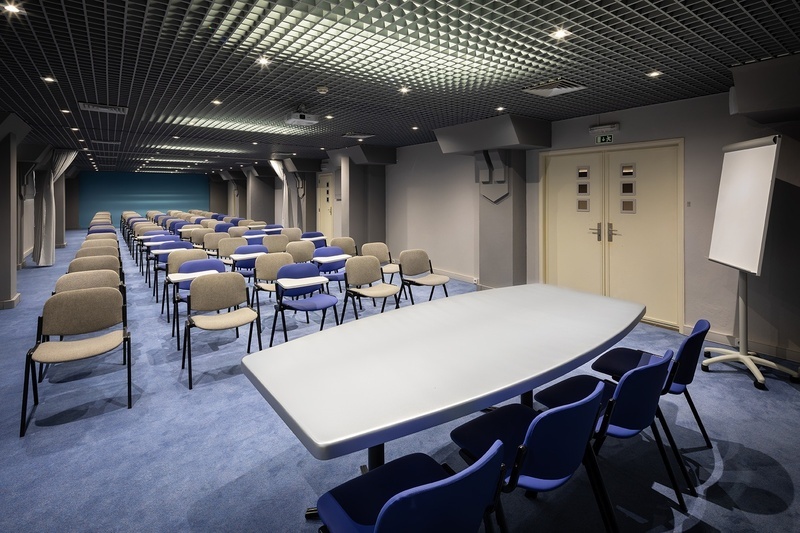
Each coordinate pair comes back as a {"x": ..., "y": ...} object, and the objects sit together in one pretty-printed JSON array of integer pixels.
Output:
[
  {"x": 223, "y": 226},
  {"x": 175, "y": 225},
  {"x": 102, "y": 229},
  {"x": 165, "y": 238},
  {"x": 294, "y": 234},
  {"x": 245, "y": 222},
  {"x": 347, "y": 244},
  {"x": 219, "y": 291},
  {"x": 275, "y": 243},
  {"x": 87, "y": 279},
  {"x": 179, "y": 257},
  {"x": 211, "y": 240},
  {"x": 319, "y": 238},
  {"x": 302, "y": 251},
  {"x": 190, "y": 226},
  {"x": 99, "y": 262},
  {"x": 297, "y": 270},
  {"x": 456, "y": 503},
  {"x": 362, "y": 270},
  {"x": 228, "y": 246},
  {"x": 636, "y": 397},
  {"x": 101, "y": 236},
  {"x": 267, "y": 265},
  {"x": 173, "y": 245},
  {"x": 82, "y": 311},
  {"x": 329, "y": 251},
  {"x": 198, "y": 265},
  {"x": 376, "y": 249},
  {"x": 414, "y": 262},
  {"x": 199, "y": 234},
  {"x": 155, "y": 232},
  {"x": 102, "y": 243},
  {"x": 689, "y": 352},
  {"x": 98, "y": 250},
  {"x": 556, "y": 440},
  {"x": 209, "y": 222},
  {"x": 237, "y": 231}
]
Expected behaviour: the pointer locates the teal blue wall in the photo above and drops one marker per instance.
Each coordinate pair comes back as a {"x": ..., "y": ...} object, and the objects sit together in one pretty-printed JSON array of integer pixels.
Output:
[{"x": 141, "y": 192}]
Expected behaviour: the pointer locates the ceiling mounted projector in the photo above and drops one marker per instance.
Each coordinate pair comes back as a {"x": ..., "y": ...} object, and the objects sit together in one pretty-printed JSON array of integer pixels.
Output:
[{"x": 302, "y": 119}]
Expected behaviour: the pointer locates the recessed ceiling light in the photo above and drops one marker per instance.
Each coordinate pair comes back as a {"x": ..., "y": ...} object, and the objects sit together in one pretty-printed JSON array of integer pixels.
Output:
[
  {"x": 414, "y": 127},
  {"x": 322, "y": 148},
  {"x": 74, "y": 129},
  {"x": 255, "y": 143},
  {"x": 560, "y": 33},
  {"x": 85, "y": 149},
  {"x": 175, "y": 137},
  {"x": 654, "y": 74},
  {"x": 65, "y": 111},
  {"x": 11, "y": 8},
  {"x": 81, "y": 141},
  {"x": 216, "y": 102},
  {"x": 263, "y": 61},
  {"x": 329, "y": 117},
  {"x": 404, "y": 90},
  {"x": 48, "y": 79},
  {"x": 294, "y": 153},
  {"x": 501, "y": 108}
]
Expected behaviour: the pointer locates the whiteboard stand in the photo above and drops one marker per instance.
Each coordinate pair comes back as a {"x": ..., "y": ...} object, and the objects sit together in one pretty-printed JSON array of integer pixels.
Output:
[{"x": 747, "y": 358}]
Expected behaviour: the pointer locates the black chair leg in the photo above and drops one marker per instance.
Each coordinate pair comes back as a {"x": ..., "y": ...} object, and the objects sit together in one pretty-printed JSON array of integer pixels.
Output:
[
  {"x": 187, "y": 344},
  {"x": 30, "y": 373},
  {"x": 599, "y": 489},
  {"x": 665, "y": 459},
  {"x": 130, "y": 356},
  {"x": 697, "y": 418},
  {"x": 322, "y": 322},
  {"x": 445, "y": 291},
  {"x": 431, "y": 296},
  {"x": 274, "y": 323},
  {"x": 676, "y": 451}
]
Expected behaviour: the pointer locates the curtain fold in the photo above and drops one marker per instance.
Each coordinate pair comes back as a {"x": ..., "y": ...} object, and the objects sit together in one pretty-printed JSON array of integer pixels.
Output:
[{"x": 44, "y": 245}]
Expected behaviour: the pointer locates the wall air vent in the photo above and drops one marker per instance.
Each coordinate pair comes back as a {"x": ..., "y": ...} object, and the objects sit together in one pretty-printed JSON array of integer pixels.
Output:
[
  {"x": 553, "y": 88},
  {"x": 102, "y": 108}
]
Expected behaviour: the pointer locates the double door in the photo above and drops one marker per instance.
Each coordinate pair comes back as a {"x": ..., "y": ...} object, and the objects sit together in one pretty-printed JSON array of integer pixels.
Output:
[{"x": 613, "y": 226}]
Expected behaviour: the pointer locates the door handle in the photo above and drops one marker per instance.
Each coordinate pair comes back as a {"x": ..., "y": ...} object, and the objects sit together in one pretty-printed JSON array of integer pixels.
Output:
[
  {"x": 612, "y": 232},
  {"x": 597, "y": 231}
]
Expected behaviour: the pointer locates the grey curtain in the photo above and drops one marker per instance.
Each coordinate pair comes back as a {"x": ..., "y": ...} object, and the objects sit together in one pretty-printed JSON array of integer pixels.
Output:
[{"x": 44, "y": 212}]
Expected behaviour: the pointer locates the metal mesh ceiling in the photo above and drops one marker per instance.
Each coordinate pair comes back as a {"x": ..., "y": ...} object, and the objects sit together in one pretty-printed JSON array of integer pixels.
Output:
[{"x": 165, "y": 61}]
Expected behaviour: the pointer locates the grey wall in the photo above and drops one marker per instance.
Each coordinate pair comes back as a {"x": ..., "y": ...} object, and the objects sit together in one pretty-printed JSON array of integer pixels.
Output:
[
  {"x": 432, "y": 204},
  {"x": 367, "y": 203},
  {"x": 260, "y": 198},
  {"x": 218, "y": 196}
]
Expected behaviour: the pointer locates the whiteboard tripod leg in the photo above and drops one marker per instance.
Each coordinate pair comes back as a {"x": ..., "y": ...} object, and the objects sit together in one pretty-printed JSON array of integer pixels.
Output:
[{"x": 750, "y": 360}]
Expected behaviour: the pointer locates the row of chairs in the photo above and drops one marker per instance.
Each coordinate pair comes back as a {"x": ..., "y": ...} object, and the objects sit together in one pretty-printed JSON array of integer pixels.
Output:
[
  {"x": 87, "y": 312},
  {"x": 515, "y": 446}
]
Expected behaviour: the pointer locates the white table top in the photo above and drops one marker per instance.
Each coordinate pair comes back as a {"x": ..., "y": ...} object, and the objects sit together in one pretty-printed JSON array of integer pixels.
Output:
[
  {"x": 296, "y": 283},
  {"x": 242, "y": 257},
  {"x": 177, "y": 277},
  {"x": 438, "y": 361},
  {"x": 165, "y": 252},
  {"x": 256, "y": 226},
  {"x": 331, "y": 258},
  {"x": 320, "y": 238}
]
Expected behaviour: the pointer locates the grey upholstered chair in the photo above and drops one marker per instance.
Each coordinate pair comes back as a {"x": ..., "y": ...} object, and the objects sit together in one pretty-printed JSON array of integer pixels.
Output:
[
  {"x": 100, "y": 262},
  {"x": 275, "y": 243},
  {"x": 267, "y": 267},
  {"x": 92, "y": 251},
  {"x": 302, "y": 251},
  {"x": 347, "y": 244},
  {"x": 226, "y": 291},
  {"x": 381, "y": 251},
  {"x": 363, "y": 277},
  {"x": 100, "y": 242},
  {"x": 294, "y": 234},
  {"x": 416, "y": 269},
  {"x": 77, "y": 312}
]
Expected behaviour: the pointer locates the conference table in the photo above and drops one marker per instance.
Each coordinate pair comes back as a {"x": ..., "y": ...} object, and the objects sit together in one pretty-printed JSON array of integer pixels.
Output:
[{"x": 367, "y": 382}]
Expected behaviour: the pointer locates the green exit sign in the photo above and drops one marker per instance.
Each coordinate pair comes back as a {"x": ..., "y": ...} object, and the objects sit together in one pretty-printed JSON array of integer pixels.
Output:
[{"x": 604, "y": 139}]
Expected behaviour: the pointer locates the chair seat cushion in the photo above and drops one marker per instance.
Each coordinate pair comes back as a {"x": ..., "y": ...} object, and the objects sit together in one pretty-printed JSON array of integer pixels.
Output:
[
  {"x": 617, "y": 361},
  {"x": 262, "y": 286},
  {"x": 62, "y": 351},
  {"x": 391, "y": 268},
  {"x": 361, "y": 499},
  {"x": 429, "y": 280},
  {"x": 317, "y": 302},
  {"x": 381, "y": 290},
  {"x": 233, "y": 319}
]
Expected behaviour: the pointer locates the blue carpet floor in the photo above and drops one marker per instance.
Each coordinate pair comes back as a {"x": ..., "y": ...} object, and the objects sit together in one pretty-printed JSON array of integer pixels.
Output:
[{"x": 217, "y": 458}]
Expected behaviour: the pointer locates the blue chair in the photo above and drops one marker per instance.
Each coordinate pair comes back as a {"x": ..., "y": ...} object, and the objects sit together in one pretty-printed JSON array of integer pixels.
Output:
[
  {"x": 175, "y": 225},
  {"x": 247, "y": 267},
  {"x": 303, "y": 299},
  {"x": 334, "y": 271},
  {"x": 617, "y": 361},
  {"x": 161, "y": 263},
  {"x": 140, "y": 251},
  {"x": 630, "y": 409},
  {"x": 195, "y": 265},
  {"x": 273, "y": 229},
  {"x": 223, "y": 227},
  {"x": 235, "y": 220},
  {"x": 218, "y": 216},
  {"x": 102, "y": 229},
  {"x": 318, "y": 243},
  {"x": 545, "y": 448},
  {"x": 254, "y": 236},
  {"x": 415, "y": 493},
  {"x": 163, "y": 237}
]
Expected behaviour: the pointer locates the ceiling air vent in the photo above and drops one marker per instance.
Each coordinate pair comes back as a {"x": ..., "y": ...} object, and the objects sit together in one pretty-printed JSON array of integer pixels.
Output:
[
  {"x": 553, "y": 88},
  {"x": 356, "y": 135},
  {"x": 102, "y": 108}
]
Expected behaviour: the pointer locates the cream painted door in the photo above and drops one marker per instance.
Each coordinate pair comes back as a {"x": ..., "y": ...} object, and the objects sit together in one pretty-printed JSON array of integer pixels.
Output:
[
  {"x": 575, "y": 206},
  {"x": 325, "y": 204},
  {"x": 634, "y": 195}
]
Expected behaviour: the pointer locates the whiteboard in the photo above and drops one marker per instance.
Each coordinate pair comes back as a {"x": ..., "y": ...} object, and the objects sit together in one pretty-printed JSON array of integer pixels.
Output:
[{"x": 743, "y": 204}]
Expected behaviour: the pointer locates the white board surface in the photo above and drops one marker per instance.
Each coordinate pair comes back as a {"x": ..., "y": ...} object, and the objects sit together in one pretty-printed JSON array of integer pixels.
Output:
[{"x": 743, "y": 204}]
